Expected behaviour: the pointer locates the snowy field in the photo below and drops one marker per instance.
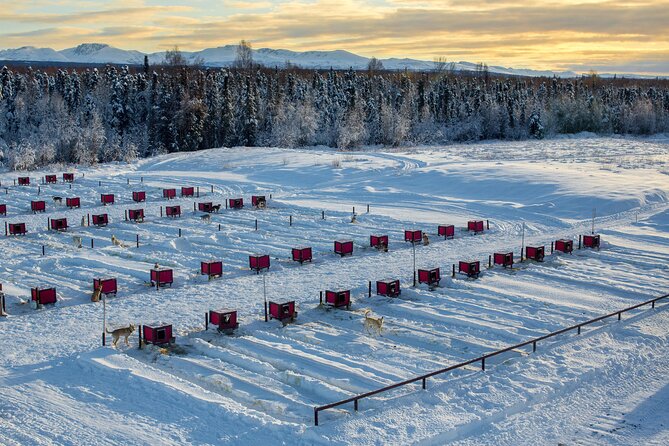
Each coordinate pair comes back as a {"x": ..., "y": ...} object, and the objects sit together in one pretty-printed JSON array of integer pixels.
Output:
[{"x": 609, "y": 385}]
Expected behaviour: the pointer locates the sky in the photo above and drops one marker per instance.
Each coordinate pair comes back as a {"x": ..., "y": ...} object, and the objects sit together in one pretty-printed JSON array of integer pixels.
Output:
[{"x": 578, "y": 35}]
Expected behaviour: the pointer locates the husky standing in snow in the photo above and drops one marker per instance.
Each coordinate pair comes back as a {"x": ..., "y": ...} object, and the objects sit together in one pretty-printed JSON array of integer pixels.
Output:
[
  {"x": 373, "y": 325},
  {"x": 122, "y": 332}
]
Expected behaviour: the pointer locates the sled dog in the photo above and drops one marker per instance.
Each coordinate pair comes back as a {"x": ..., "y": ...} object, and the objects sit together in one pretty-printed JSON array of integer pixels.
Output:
[
  {"x": 117, "y": 242},
  {"x": 58, "y": 200},
  {"x": 373, "y": 325},
  {"x": 426, "y": 240},
  {"x": 122, "y": 332},
  {"x": 216, "y": 208},
  {"x": 206, "y": 218}
]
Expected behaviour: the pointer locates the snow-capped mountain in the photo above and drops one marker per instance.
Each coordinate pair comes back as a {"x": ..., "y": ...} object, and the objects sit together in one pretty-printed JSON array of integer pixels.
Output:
[{"x": 225, "y": 55}]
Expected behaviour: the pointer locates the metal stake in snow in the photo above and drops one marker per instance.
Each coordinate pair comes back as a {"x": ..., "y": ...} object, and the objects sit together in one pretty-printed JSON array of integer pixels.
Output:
[
  {"x": 413, "y": 244},
  {"x": 104, "y": 319},
  {"x": 264, "y": 293},
  {"x": 522, "y": 243}
]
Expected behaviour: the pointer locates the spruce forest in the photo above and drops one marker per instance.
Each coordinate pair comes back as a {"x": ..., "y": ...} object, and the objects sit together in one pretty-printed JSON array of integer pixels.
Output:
[{"x": 119, "y": 113}]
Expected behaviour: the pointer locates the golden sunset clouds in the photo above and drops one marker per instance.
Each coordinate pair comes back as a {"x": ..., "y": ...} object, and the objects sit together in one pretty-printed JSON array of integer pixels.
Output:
[{"x": 607, "y": 36}]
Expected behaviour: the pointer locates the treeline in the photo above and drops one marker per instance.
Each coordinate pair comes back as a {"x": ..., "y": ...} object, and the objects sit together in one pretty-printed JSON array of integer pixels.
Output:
[{"x": 117, "y": 113}]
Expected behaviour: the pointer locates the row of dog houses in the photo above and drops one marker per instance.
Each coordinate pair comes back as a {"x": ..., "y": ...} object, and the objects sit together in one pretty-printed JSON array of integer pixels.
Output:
[
  {"x": 257, "y": 201},
  {"x": 48, "y": 179}
]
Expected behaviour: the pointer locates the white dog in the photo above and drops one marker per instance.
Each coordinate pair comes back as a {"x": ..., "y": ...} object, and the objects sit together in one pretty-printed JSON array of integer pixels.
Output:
[{"x": 373, "y": 325}]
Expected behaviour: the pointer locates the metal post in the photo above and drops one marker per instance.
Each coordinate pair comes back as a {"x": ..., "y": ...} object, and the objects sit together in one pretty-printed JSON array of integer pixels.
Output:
[
  {"x": 424, "y": 383},
  {"x": 579, "y": 241},
  {"x": 487, "y": 224},
  {"x": 552, "y": 247},
  {"x": 368, "y": 209},
  {"x": 219, "y": 227},
  {"x": 161, "y": 211},
  {"x": 39, "y": 189},
  {"x": 522, "y": 243},
  {"x": 454, "y": 270},
  {"x": 413, "y": 244},
  {"x": 321, "y": 297},
  {"x": 206, "y": 321},
  {"x": 619, "y": 315},
  {"x": 370, "y": 288},
  {"x": 264, "y": 293},
  {"x": 138, "y": 240},
  {"x": 198, "y": 192},
  {"x": 104, "y": 319},
  {"x": 355, "y": 405},
  {"x": 483, "y": 364},
  {"x": 489, "y": 261},
  {"x": 179, "y": 232},
  {"x": 92, "y": 244},
  {"x": 42, "y": 249},
  {"x": 139, "y": 333},
  {"x": 579, "y": 329},
  {"x": 291, "y": 221},
  {"x": 315, "y": 417},
  {"x": 256, "y": 224},
  {"x": 212, "y": 188},
  {"x": 534, "y": 346},
  {"x": 322, "y": 215}
]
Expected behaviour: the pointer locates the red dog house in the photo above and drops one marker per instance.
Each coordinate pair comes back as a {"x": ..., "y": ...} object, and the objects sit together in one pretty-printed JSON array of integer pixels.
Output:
[
  {"x": 564, "y": 245},
  {"x": 3, "y": 209},
  {"x": 107, "y": 199},
  {"x": 343, "y": 247},
  {"x": 338, "y": 299},
  {"x": 169, "y": 193},
  {"x": 236, "y": 203},
  {"x": 503, "y": 258},
  {"x": 139, "y": 196},
  {"x": 207, "y": 206},
  {"x": 101, "y": 220},
  {"x": 413, "y": 236},
  {"x": 225, "y": 320},
  {"x": 161, "y": 277},
  {"x": 50, "y": 179},
  {"x": 446, "y": 231},
  {"x": 283, "y": 312},
  {"x": 591, "y": 241},
  {"x": 535, "y": 253},
  {"x": 258, "y": 262},
  {"x": 136, "y": 215},
  {"x": 258, "y": 201},
  {"x": 471, "y": 269},
  {"x": 37, "y": 206},
  {"x": 302, "y": 254},
  {"x": 24, "y": 181},
  {"x": 429, "y": 276},
  {"x": 390, "y": 288},
  {"x": 158, "y": 333},
  {"x": 173, "y": 211},
  {"x": 212, "y": 269},
  {"x": 108, "y": 285},
  {"x": 17, "y": 229},
  {"x": 43, "y": 296},
  {"x": 475, "y": 225},
  {"x": 59, "y": 224},
  {"x": 73, "y": 202},
  {"x": 378, "y": 241},
  {"x": 187, "y": 191},
  {"x": 68, "y": 178}
]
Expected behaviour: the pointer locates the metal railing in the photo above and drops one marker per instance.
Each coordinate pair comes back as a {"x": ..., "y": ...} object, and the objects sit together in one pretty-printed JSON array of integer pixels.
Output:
[{"x": 481, "y": 359}]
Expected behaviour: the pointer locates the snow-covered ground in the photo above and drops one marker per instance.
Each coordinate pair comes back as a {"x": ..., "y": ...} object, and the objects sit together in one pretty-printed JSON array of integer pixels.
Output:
[{"x": 607, "y": 386}]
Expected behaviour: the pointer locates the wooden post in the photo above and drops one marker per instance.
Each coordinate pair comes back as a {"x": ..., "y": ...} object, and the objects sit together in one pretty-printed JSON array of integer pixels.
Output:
[
  {"x": 266, "y": 315},
  {"x": 322, "y": 215},
  {"x": 212, "y": 188},
  {"x": 140, "y": 336},
  {"x": 552, "y": 247},
  {"x": 88, "y": 219},
  {"x": 99, "y": 183},
  {"x": 39, "y": 189},
  {"x": 193, "y": 206},
  {"x": 141, "y": 179},
  {"x": 579, "y": 241},
  {"x": 454, "y": 270},
  {"x": 483, "y": 363},
  {"x": 206, "y": 321},
  {"x": 43, "y": 250},
  {"x": 315, "y": 416},
  {"x": 70, "y": 185},
  {"x": 424, "y": 383},
  {"x": 128, "y": 180},
  {"x": 321, "y": 297},
  {"x": 161, "y": 211},
  {"x": 198, "y": 192},
  {"x": 489, "y": 261},
  {"x": 138, "y": 240},
  {"x": 179, "y": 232},
  {"x": 369, "y": 291},
  {"x": 6, "y": 233},
  {"x": 219, "y": 227},
  {"x": 354, "y": 209},
  {"x": 487, "y": 224},
  {"x": 256, "y": 224},
  {"x": 92, "y": 244},
  {"x": 290, "y": 221},
  {"x": 534, "y": 346},
  {"x": 48, "y": 224},
  {"x": 368, "y": 209},
  {"x": 125, "y": 215}
]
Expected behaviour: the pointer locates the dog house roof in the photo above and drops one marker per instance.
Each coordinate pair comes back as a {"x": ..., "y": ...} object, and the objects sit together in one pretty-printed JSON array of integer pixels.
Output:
[{"x": 157, "y": 324}]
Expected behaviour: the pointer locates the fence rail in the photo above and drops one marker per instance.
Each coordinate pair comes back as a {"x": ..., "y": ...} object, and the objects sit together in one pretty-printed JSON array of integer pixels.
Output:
[{"x": 481, "y": 359}]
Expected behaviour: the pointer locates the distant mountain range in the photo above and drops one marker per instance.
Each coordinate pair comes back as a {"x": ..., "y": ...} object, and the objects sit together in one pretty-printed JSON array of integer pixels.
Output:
[{"x": 100, "y": 53}]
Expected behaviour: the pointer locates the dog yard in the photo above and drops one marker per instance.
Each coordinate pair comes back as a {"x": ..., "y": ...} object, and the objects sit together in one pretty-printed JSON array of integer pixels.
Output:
[{"x": 325, "y": 338}]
